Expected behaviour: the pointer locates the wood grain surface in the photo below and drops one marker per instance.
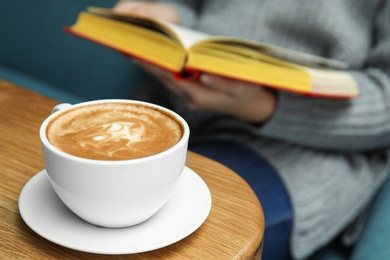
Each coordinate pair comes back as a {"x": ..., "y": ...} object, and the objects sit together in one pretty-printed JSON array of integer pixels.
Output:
[{"x": 233, "y": 230}]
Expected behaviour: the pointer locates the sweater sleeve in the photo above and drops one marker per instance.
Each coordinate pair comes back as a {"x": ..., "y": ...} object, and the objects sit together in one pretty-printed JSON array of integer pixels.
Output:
[{"x": 347, "y": 125}]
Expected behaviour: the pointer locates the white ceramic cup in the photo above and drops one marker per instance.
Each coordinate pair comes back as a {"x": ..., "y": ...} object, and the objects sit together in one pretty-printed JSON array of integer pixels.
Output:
[{"x": 114, "y": 193}]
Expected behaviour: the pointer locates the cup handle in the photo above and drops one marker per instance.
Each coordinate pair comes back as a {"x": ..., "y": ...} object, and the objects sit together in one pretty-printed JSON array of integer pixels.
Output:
[{"x": 60, "y": 107}]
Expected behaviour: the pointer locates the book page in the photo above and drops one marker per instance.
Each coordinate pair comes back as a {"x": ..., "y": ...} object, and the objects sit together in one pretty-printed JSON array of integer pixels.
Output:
[
  {"x": 283, "y": 55},
  {"x": 187, "y": 36}
]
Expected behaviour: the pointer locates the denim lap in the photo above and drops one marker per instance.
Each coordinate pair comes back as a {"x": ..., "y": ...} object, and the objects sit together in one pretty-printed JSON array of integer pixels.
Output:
[{"x": 266, "y": 184}]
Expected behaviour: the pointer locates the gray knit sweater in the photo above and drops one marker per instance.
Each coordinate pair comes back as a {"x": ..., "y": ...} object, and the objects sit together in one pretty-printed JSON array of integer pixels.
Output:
[{"x": 332, "y": 155}]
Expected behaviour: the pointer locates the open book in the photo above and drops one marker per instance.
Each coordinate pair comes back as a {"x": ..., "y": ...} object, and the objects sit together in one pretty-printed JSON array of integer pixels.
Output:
[{"x": 187, "y": 53}]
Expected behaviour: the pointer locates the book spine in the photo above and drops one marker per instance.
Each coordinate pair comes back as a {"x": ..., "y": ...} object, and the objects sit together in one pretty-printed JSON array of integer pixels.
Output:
[{"x": 187, "y": 75}]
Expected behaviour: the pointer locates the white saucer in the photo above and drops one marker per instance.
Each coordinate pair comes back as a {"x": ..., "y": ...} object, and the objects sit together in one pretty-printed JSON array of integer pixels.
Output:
[{"x": 184, "y": 212}]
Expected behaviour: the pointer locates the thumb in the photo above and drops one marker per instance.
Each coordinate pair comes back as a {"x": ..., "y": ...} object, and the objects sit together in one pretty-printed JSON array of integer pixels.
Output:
[{"x": 148, "y": 9}]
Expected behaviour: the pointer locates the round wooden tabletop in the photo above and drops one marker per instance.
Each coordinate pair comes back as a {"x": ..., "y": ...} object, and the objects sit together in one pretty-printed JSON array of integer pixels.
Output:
[{"x": 234, "y": 228}]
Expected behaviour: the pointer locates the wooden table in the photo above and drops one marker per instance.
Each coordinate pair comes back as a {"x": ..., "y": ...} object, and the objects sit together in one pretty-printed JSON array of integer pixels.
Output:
[{"x": 233, "y": 230}]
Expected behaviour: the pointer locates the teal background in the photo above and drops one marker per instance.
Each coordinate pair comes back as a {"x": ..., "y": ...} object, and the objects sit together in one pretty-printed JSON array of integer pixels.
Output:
[{"x": 37, "y": 53}]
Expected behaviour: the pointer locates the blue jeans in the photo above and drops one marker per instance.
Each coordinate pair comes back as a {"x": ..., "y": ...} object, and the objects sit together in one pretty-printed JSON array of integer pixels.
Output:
[{"x": 266, "y": 184}]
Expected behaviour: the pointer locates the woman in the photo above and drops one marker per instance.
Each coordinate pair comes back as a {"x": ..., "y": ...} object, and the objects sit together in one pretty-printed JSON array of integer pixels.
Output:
[{"x": 315, "y": 163}]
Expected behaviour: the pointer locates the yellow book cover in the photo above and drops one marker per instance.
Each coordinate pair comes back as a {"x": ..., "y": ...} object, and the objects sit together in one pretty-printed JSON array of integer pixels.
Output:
[{"x": 188, "y": 52}]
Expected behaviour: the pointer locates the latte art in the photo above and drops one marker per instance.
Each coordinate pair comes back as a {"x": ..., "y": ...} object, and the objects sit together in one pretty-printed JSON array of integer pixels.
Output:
[
  {"x": 104, "y": 138},
  {"x": 114, "y": 131}
]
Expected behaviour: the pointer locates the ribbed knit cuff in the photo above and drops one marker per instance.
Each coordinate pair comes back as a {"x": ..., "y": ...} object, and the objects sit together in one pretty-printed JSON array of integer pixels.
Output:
[
  {"x": 286, "y": 121},
  {"x": 307, "y": 121}
]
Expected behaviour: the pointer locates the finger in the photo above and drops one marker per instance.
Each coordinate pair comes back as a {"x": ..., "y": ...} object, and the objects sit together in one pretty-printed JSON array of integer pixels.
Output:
[
  {"x": 215, "y": 82},
  {"x": 201, "y": 97},
  {"x": 154, "y": 70},
  {"x": 130, "y": 7},
  {"x": 172, "y": 87},
  {"x": 162, "y": 75},
  {"x": 229, "y": 86},
  {"x": 193, "y": 93},
  {"x": 154, "y": 10},
  {"x": 180, "y": 90}
]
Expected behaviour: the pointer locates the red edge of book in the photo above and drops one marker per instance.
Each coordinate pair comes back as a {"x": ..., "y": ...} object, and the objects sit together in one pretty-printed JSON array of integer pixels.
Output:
[{"x": 191, "y": 74}]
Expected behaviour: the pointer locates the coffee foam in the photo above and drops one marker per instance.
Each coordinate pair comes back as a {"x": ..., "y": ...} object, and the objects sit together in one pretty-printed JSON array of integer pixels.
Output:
[{"x": 114, "y": 131}]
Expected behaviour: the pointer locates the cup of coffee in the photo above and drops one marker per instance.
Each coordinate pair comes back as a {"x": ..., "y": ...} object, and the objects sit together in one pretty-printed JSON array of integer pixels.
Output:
[{"x": 114, "y": 163}]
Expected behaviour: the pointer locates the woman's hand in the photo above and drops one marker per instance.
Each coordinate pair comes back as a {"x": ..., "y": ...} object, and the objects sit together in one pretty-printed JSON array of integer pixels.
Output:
[
  {"x": 246, "y": 101},
  {"x": 155, "y": 10}
]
